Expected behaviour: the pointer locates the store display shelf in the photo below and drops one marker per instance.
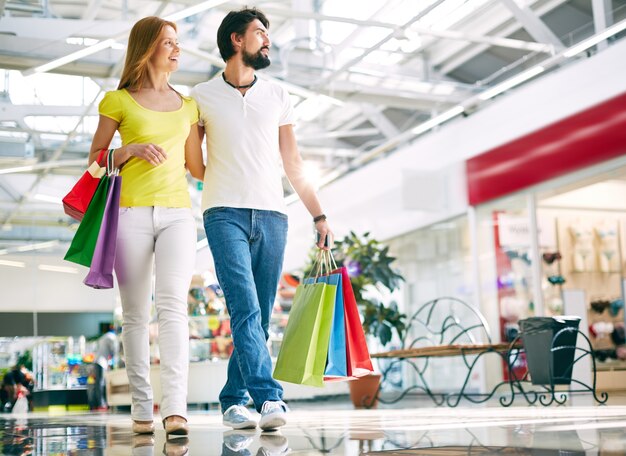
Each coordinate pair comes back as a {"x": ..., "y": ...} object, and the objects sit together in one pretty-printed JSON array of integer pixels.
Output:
[{"x": 612, "y": 365}]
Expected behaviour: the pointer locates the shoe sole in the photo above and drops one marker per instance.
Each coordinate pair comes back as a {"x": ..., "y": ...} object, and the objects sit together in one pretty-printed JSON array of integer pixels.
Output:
[
  {"x": 273, "y": 422},
  {"x": 143, "y": 431},
  {"x": 244, "y": 425}
]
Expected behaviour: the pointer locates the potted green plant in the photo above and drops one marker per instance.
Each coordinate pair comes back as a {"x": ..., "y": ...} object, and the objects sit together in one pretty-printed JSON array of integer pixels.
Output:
[{"x": 372, "y": 277}]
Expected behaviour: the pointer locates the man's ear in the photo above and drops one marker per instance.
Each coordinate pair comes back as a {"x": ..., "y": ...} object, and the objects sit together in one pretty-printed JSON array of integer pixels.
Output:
[{"x": 236, "y": 39}]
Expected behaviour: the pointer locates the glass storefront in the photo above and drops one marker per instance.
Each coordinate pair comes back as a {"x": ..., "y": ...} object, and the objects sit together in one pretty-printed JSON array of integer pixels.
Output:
[{"x": 519, "y": 256}]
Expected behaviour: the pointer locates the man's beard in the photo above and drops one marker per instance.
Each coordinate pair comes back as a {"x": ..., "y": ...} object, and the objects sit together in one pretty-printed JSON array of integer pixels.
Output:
[{"x": 256, "y": 61}]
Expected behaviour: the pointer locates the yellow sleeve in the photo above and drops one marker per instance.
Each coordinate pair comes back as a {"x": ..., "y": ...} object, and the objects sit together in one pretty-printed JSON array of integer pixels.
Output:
[
  {"x": 111, "y": 106},
  {"x": 194, "y": 112}
]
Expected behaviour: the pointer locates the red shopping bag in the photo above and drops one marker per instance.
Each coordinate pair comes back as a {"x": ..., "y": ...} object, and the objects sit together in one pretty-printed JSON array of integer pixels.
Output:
[
  {"x": 358, "y": 358},
  {"x": 75, "y": 203}
]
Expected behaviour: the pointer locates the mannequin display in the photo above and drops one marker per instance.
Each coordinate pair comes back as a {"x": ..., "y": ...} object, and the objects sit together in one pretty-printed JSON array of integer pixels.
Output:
[
  {"x": 608, "y": 246},
  {"x": 582, "y": 242}
]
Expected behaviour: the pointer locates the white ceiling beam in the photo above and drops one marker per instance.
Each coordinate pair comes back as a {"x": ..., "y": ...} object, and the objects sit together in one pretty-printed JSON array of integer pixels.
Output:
[
  {"x": 337, "y": 72},
  {"x": 107, "y": 43},
  {"x": 10, "y": 111},
  {"x": 388, "y": 96},
  {"x": 449, "y": 34},
  {"x": 375, "y": 115},
  {"x": 301, "y": 27},
  {"x": 313, "y": 136},
  {"x": 347, "y": 42},
  {"x": 457, "y": 54},
  {"x": 328, "y": 152},
  {"x": 9, "y": 190},
  {"x": 533, "y": 24},
  {"x": 602, "y": 18}
]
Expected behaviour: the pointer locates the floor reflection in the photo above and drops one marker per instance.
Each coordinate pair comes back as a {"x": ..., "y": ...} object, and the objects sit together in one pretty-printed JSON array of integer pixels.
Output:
[{"x": 573, "y": 431}]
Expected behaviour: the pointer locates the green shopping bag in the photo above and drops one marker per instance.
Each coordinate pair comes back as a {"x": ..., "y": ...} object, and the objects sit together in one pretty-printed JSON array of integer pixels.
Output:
[
  {"x": 84, "y": 242},
  {"x": 303, "y": 352}
]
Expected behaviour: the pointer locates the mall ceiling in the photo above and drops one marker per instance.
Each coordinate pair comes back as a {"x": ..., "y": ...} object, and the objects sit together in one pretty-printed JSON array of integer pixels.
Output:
[{"x": 363, "y": 75}]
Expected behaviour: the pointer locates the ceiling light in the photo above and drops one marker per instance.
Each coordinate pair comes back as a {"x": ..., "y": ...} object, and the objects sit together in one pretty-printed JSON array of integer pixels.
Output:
[
  {"x": 441, "y": 118},
  {"x": 45, "y": 165},
  {"x": 38, "y": 246},
  {"x": 70, "y": 57},
  {"x": 586, "y": 44},
  {"x": 15, "y": 264},
  {"x": 510, "y": 83},
  {"x": 47, "y": 198},
  {"x": 51, "y": 268}
]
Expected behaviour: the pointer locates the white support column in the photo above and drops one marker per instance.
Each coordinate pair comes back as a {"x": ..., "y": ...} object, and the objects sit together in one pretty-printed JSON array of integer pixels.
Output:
[
  {"x": 531, "y": 205},
  {"x": 602, "y": 18}
]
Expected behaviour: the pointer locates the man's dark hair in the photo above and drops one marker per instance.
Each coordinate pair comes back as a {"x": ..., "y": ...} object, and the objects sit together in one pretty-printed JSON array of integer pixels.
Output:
[{"x": 236, "y": 22}]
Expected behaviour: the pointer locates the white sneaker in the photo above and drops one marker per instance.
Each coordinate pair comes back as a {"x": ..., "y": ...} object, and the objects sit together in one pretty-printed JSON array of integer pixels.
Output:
[
  {"x": 273, "y": 444},
  {"x": 237, "y": 440},
  {"x": 273, "y": 415},
  {"x": 238, "y": 417}
]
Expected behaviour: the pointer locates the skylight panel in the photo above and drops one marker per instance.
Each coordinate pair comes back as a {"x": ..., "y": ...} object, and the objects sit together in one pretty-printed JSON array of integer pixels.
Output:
[
  {"x": 356, "y": 9},
  {"x": 51, "y": 89},
  {"x": 449, "y": 13},
  {"x": 402, "y": 11}
]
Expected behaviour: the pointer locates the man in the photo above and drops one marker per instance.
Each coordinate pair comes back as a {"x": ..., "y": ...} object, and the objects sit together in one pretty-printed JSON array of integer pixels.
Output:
[
  {"x": 105, "y": 354},
  {"x": 249, "y": 128},
  {"x": 18, "y": 379}
]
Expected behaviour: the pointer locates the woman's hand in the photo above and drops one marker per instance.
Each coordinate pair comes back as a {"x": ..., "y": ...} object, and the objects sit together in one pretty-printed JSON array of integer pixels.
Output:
[{"x": 153, "y": 154}]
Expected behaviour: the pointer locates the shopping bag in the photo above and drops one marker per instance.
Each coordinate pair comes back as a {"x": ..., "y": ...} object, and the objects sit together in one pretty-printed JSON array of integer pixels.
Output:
[
  {"x": 84, "y": 242},
  {"x": 75, "y": 203},
  {"x": 101, "y": 270},
  {"x": 336, "y": 362},
  {"x": 359, "y": 362},
  {"x": 304, "y": 349}
]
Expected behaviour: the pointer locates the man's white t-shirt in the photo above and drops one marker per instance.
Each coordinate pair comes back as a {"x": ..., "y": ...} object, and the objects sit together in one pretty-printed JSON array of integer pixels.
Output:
[{"x": 244, "y": 166}]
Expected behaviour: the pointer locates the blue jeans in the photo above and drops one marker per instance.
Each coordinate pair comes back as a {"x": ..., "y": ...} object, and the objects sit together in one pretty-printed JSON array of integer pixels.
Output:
[{"x": 248, "y": 247}]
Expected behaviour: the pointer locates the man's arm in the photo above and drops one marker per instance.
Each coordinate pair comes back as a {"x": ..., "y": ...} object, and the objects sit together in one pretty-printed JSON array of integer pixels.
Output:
[
  {"x": 293, "y": 164},
  {"x": 193, "y": 152}
]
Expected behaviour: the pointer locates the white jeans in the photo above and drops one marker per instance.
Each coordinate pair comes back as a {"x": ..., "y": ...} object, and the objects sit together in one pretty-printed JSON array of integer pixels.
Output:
[{"x": 166, "y": 238}]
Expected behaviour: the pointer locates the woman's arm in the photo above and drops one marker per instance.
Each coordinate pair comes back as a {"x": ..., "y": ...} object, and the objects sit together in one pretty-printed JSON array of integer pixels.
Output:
[{"x": 152, "y": 153}]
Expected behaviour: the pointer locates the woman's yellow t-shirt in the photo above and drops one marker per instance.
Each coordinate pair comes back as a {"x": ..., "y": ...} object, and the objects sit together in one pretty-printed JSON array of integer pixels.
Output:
[{"x": 144, "y": 184}]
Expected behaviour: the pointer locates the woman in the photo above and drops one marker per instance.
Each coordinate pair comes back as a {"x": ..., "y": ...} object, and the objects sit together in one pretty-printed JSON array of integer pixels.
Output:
[{"x": 156, "y": 225}]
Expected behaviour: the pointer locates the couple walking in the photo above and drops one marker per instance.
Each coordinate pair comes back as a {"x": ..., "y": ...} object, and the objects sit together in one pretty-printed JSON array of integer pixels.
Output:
[{"x": 248, "y": 124}]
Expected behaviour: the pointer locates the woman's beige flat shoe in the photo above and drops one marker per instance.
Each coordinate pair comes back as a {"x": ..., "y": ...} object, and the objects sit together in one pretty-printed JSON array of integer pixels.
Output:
[
  {"x": 143, "y": 440},
  {"x": 146, "y": 427},
  {"x": 175, "y": 425}
]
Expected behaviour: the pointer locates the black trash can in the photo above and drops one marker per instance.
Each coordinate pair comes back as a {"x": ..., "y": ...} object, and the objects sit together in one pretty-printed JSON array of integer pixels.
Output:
[{"x": 537, "y": 334}]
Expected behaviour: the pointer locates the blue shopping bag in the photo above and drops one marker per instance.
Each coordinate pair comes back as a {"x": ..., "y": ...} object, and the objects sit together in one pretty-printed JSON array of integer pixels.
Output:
[{"x": 336, "y": 363}]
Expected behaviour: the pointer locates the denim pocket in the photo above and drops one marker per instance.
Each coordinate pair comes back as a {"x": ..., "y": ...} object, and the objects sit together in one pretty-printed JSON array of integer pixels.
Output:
[
  {"x": 280, "y": 215},
  {"x": 212, "y": 210}
]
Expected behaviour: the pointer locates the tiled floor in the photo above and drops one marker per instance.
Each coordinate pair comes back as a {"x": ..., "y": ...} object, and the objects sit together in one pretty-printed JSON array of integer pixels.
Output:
[{"x": 333, "y": 427}]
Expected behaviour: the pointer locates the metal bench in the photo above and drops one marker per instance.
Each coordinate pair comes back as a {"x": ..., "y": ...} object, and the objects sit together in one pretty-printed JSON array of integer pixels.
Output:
[{"x": 449, "y": 327}]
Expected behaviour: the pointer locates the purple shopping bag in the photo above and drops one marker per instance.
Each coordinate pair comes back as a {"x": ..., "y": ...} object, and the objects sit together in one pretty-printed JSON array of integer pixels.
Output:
[{"x": 101, "y": 271}]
